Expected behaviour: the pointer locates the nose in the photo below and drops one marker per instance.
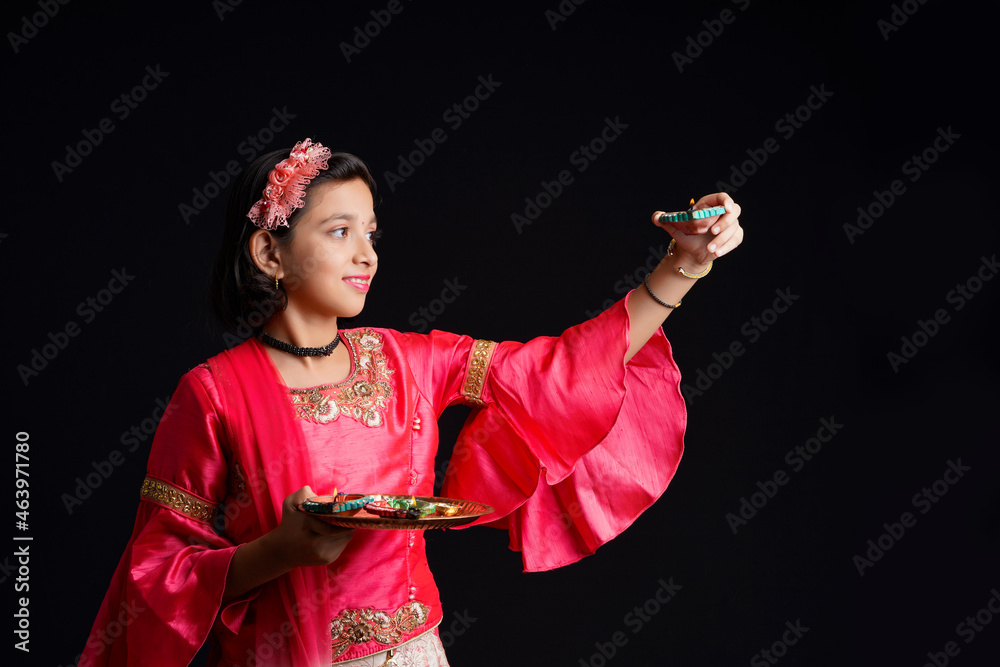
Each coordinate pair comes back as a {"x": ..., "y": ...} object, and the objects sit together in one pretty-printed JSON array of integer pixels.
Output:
[{"x": 365, "y": 253}]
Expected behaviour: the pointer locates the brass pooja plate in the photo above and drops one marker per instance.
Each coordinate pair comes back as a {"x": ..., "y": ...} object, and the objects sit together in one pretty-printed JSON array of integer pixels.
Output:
[{"x": 449, "y": 512}]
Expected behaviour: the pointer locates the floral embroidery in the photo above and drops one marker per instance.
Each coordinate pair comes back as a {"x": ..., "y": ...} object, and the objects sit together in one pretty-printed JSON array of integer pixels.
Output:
[
  {"x": 171, "y": 497},
  {"x": 363, "y": 397},
  {"x": 475, "y": 375},
  {"x": 359, "y": 626}
]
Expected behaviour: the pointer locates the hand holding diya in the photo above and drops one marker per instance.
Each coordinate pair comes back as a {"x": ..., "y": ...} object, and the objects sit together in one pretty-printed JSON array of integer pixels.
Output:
[{"x": 336, "y": 503}]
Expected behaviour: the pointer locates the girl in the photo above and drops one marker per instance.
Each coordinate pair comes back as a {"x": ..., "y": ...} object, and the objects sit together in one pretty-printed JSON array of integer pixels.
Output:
[{"x": 572, "y": 437}]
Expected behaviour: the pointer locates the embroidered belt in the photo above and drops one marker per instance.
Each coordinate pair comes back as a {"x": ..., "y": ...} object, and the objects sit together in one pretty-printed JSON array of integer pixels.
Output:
[
  {"x": 360, "y": 626},
  {"x": 478, "y": 371},
  {"x": 171, "y": 497},
  {"x": 422, "y": 649}
]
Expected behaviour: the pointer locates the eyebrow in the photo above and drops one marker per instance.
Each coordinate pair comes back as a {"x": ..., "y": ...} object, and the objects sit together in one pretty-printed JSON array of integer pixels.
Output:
[{"x": 350, "y": 217}]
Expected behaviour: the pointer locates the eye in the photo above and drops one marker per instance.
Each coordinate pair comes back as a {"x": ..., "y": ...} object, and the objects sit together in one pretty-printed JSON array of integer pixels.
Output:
[
  {"x": 340, "y": 232},
  {"x": 374, "y": 235}
]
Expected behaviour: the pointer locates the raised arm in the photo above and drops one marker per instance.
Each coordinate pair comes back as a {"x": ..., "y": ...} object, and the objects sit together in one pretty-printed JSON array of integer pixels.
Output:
[{"x": 696, "y": 244}]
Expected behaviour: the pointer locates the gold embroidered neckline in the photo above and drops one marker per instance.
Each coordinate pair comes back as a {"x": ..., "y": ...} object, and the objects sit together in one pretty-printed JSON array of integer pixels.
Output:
[{"x": 363, "y": 396}]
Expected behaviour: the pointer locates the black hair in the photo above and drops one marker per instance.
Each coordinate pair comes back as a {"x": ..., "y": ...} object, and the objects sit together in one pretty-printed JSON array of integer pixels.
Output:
[{"x": 243, "y": 296}]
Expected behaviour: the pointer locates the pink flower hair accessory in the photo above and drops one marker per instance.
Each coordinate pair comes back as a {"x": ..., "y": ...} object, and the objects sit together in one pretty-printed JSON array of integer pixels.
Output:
[{"x": 286, "y": 184}]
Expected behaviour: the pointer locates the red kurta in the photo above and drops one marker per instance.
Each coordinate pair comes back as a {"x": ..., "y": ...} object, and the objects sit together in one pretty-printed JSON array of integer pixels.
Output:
[{"x": 568, "y": 444}]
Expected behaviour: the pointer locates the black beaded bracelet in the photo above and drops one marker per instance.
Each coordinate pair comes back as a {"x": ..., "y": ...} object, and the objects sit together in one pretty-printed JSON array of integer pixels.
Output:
[{"x": 645, "y": 281}]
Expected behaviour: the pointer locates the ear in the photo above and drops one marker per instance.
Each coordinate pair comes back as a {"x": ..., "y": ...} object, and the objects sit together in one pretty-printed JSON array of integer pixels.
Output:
[{"x": 264, "y": 250}]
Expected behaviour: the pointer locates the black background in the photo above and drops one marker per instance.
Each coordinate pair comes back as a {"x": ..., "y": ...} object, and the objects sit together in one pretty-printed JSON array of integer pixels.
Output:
[{"x": 229, "y": 67}]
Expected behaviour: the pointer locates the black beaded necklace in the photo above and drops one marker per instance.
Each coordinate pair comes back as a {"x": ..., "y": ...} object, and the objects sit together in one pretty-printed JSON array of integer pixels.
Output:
[{"x": 324, "y": 351}]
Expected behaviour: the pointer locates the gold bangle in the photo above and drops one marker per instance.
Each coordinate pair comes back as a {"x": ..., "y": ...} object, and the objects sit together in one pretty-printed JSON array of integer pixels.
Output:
[
  {"x": 680, "y": 270},
  {"x": 694, "y": 275}
]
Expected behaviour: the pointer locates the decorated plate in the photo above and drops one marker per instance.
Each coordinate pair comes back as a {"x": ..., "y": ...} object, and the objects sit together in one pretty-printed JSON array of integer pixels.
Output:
[{"x": 394, "y": 512}]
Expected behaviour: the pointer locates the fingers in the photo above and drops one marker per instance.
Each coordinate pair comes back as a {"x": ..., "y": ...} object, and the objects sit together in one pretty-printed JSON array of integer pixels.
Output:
[
  {"x": 715, "y": 224},
  {"x": 294, "y": 501},
  {"x": 325, "y": 529},
  {"x": 716, "y": 199},
  {"x": 727, "y": 234},
  {"x": 708, "y": 201},
  {"x": 729, "y": 218},
  {"x": 726, "y": 229},
  {"x": 687, "y": 227},
  {"x": 675, "y": 231},
  {"x": 670, "y": 228},
  {"x": 726, "y": 220},
  {"x": 656, "y": 220},
  {"x": 727, "y": 241}
]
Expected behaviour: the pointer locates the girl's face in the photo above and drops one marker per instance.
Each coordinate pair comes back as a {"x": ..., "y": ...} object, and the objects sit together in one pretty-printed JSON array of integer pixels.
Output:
[{"x": 328, "y": 267}]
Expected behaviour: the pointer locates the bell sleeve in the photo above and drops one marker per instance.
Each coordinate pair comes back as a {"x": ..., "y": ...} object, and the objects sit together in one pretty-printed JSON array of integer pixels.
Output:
[
  {"x": 166, "y": 593},
  {"x": 570, "y": 443}
]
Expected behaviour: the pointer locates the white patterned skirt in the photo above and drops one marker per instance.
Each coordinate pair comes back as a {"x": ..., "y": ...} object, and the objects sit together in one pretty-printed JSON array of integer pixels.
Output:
[{"x": 423, "y": 651}]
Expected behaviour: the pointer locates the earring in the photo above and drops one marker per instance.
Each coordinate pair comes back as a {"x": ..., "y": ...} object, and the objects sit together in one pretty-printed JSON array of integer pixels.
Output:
[{"x": 276, "y": 286}]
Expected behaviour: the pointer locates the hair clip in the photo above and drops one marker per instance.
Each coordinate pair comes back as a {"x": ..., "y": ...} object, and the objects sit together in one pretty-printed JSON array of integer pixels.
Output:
[{"x": 286, "y": 184}]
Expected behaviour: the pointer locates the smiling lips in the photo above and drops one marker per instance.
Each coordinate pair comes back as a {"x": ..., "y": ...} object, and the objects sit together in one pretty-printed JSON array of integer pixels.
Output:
[{"x": 358, "y": 282}]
